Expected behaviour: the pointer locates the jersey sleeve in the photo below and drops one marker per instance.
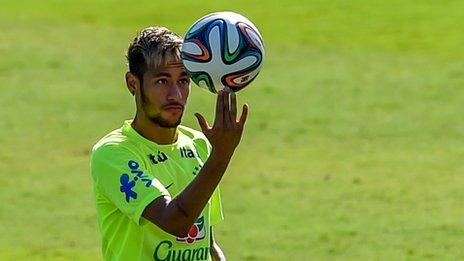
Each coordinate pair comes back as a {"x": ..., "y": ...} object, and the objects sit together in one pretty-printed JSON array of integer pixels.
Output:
[
  {"x": 216, "y": 208},
  {"x": 121, "y": 177}
]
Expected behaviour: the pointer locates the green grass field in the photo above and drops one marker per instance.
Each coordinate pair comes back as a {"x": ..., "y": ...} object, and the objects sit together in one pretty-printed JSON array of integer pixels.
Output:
[{"x": 353, "y": 150}]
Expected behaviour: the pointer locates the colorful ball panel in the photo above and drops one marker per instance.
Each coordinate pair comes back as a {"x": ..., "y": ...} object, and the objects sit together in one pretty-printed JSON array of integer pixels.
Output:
[{"x": 223, "y": 49}]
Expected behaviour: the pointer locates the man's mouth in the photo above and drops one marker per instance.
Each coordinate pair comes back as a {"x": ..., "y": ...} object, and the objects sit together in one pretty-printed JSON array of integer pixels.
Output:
[{"x": 173, "y": 107}]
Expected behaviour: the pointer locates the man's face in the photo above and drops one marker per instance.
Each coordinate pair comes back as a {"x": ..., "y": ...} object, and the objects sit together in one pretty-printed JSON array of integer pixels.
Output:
[{"x": 164, "y": 93}]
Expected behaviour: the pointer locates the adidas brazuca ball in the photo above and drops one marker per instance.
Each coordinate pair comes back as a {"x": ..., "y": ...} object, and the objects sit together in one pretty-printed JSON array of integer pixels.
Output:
[{"x": 223, "y": 49}]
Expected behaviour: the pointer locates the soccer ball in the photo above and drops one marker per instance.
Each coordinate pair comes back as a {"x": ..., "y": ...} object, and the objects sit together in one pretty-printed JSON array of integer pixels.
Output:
[{"x": 223, "y": 49}]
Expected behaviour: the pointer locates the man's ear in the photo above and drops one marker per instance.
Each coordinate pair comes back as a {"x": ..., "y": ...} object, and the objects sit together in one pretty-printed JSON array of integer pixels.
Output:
[{"x": 132, "y": 82}]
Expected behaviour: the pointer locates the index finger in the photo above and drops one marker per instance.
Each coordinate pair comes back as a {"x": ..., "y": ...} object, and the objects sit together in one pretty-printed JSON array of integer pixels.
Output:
[
  {"x": 233, "y": 107},
  {"x": 219, "y": 119}
]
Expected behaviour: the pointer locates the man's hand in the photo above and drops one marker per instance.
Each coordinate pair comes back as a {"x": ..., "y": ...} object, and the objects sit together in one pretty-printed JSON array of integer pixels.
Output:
[{"x": 226, "y": 133}]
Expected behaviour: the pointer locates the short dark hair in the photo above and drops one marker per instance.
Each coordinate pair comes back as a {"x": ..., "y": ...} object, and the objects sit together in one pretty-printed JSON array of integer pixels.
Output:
[{"x": 153, "y": 47}]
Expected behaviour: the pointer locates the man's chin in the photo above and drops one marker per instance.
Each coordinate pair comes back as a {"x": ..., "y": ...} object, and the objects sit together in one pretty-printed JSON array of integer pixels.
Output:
[{"x": 166, "y": 123}]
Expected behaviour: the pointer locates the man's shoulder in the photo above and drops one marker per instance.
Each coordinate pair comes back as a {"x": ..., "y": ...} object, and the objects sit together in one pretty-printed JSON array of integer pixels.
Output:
[
  {"x": 192, "y": 133},
  {"x": 115, "y": 141},
  {"x": 198, "y": 139}
]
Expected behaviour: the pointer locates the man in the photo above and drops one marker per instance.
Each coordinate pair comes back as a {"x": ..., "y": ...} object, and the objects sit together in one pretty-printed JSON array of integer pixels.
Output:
[{"x": 155, "y": 181}]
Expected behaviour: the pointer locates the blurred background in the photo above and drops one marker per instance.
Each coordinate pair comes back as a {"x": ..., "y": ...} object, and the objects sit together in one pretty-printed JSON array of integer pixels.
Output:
[{"x": 353, "y": 149}]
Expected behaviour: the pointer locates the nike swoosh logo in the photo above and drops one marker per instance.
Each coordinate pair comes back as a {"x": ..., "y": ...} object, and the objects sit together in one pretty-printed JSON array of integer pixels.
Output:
[{"x": 169, "y": 185}]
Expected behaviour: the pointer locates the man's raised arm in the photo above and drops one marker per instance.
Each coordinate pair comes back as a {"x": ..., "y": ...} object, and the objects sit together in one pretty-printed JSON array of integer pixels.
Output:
[{"x": 176, "y": 216}]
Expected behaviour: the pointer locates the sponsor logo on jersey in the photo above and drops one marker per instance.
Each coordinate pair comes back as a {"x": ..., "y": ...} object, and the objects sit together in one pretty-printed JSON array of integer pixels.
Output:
[
  {"x": 128, "y": 181},
  {"x": 160, "y": 157},
  {"x": 188, "y": 153},
  {"x": 197, "y": 169},
  {"x": 196, "y": 232},
  {"x": 164, "y": 252}
]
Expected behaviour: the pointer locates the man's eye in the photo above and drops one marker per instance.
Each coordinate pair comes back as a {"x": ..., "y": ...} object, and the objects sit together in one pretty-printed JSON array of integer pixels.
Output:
[
  {"x": 161, "y": 81},
  {"x": 184, "y": 81}
]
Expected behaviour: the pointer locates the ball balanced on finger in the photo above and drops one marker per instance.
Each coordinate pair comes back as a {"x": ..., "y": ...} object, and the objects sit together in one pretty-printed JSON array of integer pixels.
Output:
[{"x": 223, "y": 49}]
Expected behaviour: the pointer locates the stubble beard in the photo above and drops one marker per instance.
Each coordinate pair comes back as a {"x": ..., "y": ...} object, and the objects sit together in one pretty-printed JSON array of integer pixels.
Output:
[
  {"x": 163, "y": 123},
  {"x": 157, "y": 119}
]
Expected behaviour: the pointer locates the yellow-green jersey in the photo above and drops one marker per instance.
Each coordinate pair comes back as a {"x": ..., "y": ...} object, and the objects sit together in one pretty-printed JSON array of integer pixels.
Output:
[{"x": 128, "y": 173}]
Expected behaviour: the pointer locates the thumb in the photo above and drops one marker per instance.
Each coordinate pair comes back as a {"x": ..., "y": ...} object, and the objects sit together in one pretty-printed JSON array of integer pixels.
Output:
[{"x": 202, "y": 122}]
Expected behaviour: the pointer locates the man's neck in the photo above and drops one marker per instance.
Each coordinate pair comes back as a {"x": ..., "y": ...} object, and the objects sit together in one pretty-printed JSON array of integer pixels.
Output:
[{"x": 154, "y": 132}]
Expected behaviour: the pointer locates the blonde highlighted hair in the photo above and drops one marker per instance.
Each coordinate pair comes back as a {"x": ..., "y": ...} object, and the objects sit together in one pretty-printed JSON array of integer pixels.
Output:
[{"x": 154, "y": 47}]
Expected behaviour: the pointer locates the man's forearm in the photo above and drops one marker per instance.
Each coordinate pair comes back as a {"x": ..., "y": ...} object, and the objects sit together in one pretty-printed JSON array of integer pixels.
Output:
[
  {"x": 195, "y": 196},
  {"x": 187, "y": 206}
]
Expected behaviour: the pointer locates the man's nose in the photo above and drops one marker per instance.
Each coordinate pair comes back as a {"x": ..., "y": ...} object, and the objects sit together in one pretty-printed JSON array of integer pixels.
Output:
[{"x": 174, "y": 93}]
